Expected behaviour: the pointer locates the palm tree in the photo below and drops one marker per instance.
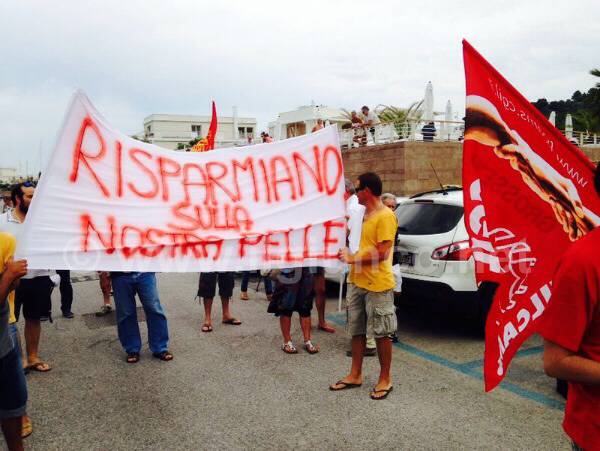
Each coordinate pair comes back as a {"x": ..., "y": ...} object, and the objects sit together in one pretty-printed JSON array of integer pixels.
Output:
[
  {"x": 596, "y": 73},
  {"x": 588, "y": 121},
  {"x": 593, "y": 98},
  {"x": 400, "y": 117}
]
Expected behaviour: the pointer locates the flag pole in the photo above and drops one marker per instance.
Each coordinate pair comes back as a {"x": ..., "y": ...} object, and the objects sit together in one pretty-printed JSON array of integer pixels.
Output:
[{"x": 341, "y": 289}]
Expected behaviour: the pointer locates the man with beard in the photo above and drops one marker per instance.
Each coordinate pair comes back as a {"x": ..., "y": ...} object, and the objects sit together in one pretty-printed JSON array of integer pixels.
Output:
[{"x": 34, "y": 292}]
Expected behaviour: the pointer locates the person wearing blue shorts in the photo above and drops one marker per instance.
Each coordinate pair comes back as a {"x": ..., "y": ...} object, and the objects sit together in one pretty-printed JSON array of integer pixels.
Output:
[{"x": 13, "y": 388}]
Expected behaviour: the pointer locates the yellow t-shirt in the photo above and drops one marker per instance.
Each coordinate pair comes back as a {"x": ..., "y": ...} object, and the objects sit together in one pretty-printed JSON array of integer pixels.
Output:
[
  {"x": 7, "y": 250},
  {"x": 380, "y": 226}
]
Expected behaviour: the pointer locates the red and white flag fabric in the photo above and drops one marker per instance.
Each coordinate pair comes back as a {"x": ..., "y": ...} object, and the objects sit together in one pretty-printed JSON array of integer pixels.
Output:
[
  {"x": 529, "y": 194},
  {"x": 208, "y": 142},
  {"x": 212, "y": 129}
]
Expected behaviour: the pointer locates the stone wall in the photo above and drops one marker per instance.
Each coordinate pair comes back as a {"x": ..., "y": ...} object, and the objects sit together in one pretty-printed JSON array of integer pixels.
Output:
[
  {"x": 592, "y": 152},
  {"x": 405, "y": 167}
]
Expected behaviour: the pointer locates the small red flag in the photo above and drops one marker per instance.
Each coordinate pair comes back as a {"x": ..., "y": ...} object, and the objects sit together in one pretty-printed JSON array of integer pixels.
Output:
[
  {"x": 212, "y": 130},
  {"x": 528, "y": 195}
]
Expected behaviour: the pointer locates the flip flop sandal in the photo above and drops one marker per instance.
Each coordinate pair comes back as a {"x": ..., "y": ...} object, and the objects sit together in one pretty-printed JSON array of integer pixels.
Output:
[
  {"x": 328, "y": 329},
  {"x": 379, "y": 398},
  {"x": 289, "y": 348},
  {"x": 206, "y": 328},
  {"x": 105, "y": 310},
  {"x": 344, "y": 385},
  {"x": 133, "y": 357},
  {"x": 39, "y": 367},
  {"x": 165, "y": 356},
  {"x": 232, "y": 322},
  {"x": 244, "y": 296},
  {"x": 310, "y": 348}
]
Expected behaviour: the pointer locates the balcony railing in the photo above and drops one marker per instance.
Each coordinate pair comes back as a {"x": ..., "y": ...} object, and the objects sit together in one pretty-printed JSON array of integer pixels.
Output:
[
  {"x": 582, "y": 138},
  {"x": 389, "y": 132}
]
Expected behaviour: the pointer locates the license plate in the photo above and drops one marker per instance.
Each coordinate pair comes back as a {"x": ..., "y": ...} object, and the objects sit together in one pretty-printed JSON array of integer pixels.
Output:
[{"x": 407, "y": 258}]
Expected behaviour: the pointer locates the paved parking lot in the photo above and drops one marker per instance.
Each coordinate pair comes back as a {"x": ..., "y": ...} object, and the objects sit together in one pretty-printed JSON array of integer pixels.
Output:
[{"x": 235, "y": 389}]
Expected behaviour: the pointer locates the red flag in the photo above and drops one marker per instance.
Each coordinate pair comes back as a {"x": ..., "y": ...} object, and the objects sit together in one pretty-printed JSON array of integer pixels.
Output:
[
  {"x": 212, "y": 130},
  {"x": 529, "y": 194}
]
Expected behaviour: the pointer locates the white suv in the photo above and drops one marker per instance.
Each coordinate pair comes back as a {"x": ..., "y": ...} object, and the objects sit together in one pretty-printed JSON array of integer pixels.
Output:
[{"x": 434, "y": 254}]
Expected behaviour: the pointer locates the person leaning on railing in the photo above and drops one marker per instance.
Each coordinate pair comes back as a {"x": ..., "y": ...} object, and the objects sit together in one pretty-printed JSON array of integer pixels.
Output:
[
  {"x": 370, "y": 120},
  {"x": 359, "y": 132}
]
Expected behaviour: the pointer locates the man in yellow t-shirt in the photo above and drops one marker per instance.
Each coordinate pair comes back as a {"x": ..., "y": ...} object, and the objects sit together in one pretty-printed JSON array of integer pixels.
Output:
[{"x": 371, "y": 283}]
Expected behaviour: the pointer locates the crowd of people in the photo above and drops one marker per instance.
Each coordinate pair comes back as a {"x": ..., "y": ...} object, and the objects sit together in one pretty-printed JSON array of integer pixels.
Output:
[
  {"x": 371, "y": 233},
  {"x": 571, "y": 328}
]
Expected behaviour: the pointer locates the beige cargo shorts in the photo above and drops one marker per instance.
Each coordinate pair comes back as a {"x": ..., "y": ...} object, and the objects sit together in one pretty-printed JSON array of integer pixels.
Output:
[{"x": 370, "y": 313}]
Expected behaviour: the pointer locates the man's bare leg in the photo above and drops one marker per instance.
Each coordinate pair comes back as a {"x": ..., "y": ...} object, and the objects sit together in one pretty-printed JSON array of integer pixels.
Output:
[
  {"x": 227, "y": 317},
  {"x": 33, "y": 330},
  {"x": 225, "y": 303},
  {"x": 208, "y": 302},
  {"x": 285, "y": 322},
  {"x": 11, "y": 428},
  {"x": 105, "y": 286},
  {"x": 359, "y": 343},
  {"x": 305, "y": 326},
  {"x": 320, "y": 298},
  {"x": 384, "y": 351}
]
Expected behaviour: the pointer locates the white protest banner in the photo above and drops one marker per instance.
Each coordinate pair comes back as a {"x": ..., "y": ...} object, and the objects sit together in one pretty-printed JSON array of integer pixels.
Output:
[{"x": 109, "y": 202}]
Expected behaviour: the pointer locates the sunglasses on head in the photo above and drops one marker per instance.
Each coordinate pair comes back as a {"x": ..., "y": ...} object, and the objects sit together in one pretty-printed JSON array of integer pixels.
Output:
[{"x": 29, "y": 184}]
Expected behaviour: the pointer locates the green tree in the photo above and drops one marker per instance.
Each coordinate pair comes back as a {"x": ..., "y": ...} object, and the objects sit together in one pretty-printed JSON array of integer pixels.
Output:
[
  {"x": 400, "y": 117},
  {"x": 596, "y": 73},
  {"x": 583, "y": 106},
  {"x": 587, "y": 120}
]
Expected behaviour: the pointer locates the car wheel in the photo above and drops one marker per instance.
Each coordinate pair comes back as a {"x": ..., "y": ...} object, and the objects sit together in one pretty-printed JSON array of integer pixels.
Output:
[{"x": 484, "y": 299}]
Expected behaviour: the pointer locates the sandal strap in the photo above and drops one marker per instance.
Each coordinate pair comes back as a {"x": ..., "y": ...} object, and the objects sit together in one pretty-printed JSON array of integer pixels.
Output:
[{"x": 289, "y": 345}]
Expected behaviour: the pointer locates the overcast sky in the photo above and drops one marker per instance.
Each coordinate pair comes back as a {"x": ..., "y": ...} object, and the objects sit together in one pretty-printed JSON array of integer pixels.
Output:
[{"x": 135, "y": 58}]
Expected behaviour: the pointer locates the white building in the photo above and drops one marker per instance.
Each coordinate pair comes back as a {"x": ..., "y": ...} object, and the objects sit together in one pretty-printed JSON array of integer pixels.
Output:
[
  {"x": 301, "y": 120},
  {"x": 170, "y": 130},
  {"x": 8, "y": 175}
]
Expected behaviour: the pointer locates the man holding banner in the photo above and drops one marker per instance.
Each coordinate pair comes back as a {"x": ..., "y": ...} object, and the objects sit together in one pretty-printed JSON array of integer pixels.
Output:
[
  {"x": 571, "y": 328},
  {"x": 33, "y": 295},
  {"x": 207, "y": 285},
  {"x": 125, "y": 286},
  {"x": 371, "y": 283}
]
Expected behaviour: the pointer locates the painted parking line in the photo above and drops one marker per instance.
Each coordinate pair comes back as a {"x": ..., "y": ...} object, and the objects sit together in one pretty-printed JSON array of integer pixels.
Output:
[
  {"x": 534, "y": 350},
  {"x": 470, "y": 368}
]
